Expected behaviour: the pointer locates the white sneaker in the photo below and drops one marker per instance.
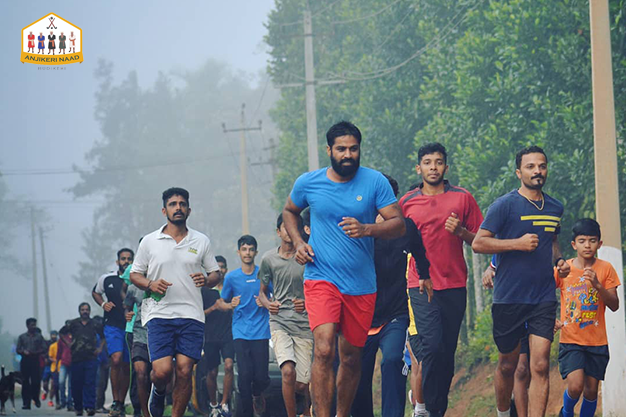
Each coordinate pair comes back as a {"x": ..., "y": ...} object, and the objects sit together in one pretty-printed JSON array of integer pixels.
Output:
[
  {"x": 215, "y": 412},
  {"x": 410, "y": 395}
]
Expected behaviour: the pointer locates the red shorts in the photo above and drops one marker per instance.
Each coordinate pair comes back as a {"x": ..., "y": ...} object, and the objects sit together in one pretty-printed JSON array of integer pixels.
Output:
[{"x": 352, "y": 313}]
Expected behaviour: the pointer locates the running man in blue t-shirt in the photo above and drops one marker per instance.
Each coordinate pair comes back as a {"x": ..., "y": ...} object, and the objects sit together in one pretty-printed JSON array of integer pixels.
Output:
[
  {"x": 521, "y": 227},
  {"x": 340, "y": 279},
  {"x": 251, "y": 328}
]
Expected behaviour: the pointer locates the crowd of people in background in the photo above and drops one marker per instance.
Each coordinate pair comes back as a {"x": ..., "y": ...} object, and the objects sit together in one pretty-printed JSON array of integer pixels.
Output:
[{"x": 357, "y": 270}]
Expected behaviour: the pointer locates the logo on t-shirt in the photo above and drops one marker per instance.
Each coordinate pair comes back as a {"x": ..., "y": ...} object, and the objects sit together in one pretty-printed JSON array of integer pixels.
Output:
[
  {"x": 549, "y": 222},
  {"x": 193, "y": 250},
  {"x": 111, "y": 286},
  {"x": 52, "y": 40},
  {"x": 359, "y": 197}
]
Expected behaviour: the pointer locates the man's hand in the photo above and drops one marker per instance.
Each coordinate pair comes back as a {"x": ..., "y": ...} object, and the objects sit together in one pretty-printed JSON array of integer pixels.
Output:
[
  {"x": 108, "y": 306},
  {"x": 427, "y": 285},
  {"x": 258, "y": 302},
  {"x": 209, "y": 310},
  {"x": 564, "y": 268},
  {"x": 353, "y": 228},
  {"x": 453, "y": 224},
  {"x": 558, "y": 325},
  {"x": 488, "y": 278},
  {"x": 273, "y": 307},
  {"x": 304, "y": 253},
  {"x": 160, "y": 286},
  {"x": 198, "y": 278},
  {"x": 298, "y": 305},
  {"x": 129, "y": 316},
  {"x": 528, "y": 242},
  {"x": 591, "y": 277},
  {"x": 235, "y": 301}
]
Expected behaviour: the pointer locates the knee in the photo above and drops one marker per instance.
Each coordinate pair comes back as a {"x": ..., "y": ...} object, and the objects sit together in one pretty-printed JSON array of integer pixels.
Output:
[
  {"x": 288, "y": 372},
  {"x": 116, "y": 359},
  {"x": 591, "y": 393},
  {"x": 392, "y": 358},
  {"x": 324, "y": 352},
  {"x": 522, "y": 373},
  {"x": 228, "y": 367},
  {"x": 301, "y": 387},
  {"x": 540, "y": 367},
  {"x": 507, "y": 367},
  {"x": 351, "y": 360},
  {"x": 162, "y": 374},
  {"x": 184, "y": 372}
]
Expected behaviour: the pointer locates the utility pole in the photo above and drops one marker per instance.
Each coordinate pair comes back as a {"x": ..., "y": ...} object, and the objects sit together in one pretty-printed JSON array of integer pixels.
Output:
[
  {"x": 311, "y": 106},
  {"x": 46, "y": 292},
  {"x": 35, "y": 289},
  {"x": 273, "y": 160},
  {"x": 607, "y": 198},
  {"x": 243, "y": 168}
]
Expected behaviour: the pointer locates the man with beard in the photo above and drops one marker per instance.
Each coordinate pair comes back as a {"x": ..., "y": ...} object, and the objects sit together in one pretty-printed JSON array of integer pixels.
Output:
[
  {"x": 340, "y": 279},
  {"x": 30, "y": 345},
  {"x": 170, "y": 263},
  {"x": 113, "y": 286},
  {"x": 446, "y": 216},
  {"x": 85, "y": 350},
  {"x": 521, "y": 227}
]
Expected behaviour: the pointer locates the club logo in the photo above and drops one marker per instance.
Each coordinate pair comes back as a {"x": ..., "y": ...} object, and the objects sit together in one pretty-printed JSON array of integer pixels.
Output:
[
  {"x": 52, "y": 40},
  {"x": 359, "y": 197}
]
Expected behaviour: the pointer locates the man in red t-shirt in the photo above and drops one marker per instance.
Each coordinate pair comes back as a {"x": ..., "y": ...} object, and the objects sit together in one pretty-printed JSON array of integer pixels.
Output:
[{"x": 446, "y": 216}]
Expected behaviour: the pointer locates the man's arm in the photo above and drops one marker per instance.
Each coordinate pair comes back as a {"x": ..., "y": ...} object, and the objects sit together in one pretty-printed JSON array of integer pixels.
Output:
[
  {"x": 212, "y": 279},
  {"x": 271, "y": 306},
  {"x": 20, "y": 346},
  {"x": 222, "y": 305},
  {"x": 486, "y": 242},
  {"x": 392, "y": 227},
  {"x": 140, "y": 281},
  {"x": 558, "y": 261},
  {"x": 304, "y": 251}
]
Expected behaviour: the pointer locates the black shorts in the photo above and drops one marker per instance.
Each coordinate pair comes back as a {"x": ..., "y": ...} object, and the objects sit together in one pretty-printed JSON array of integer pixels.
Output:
[
  {"x": 511, "y": 322},
  {"x": 592, "y": 359},
  {"x": 140, "y": 353},
  {"x": 416, "y": 347},
  {"x": 212, "y": 351}
]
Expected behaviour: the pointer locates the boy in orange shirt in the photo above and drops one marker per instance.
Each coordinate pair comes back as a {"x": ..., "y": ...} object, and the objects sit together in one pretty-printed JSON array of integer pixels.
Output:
[{"x": 585, "y": 292}]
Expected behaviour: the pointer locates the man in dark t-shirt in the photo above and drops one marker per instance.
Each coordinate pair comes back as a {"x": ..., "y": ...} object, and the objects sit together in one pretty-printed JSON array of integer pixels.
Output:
[
  {"x": 85, "y": 350},
  {"x": 114, "y": 288},
  {"x": 218, "y": 340}
]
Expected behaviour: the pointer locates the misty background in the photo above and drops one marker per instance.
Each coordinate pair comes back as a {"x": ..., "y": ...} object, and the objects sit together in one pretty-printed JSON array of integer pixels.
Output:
[{"x": 148, "y": 64}]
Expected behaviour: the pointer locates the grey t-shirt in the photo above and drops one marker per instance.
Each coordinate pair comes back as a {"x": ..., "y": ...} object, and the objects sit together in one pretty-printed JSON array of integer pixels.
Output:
[
  {"x": 134, "y": 296},
  {"x": 287, "y": 279}
]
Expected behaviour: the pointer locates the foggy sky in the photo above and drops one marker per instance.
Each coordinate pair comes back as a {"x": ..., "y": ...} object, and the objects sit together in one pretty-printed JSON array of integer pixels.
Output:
[{"x": 46, "y": 116}]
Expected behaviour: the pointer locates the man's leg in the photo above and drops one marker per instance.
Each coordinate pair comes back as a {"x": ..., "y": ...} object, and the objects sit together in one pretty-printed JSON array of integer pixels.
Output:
[
  {"x": 78, "y": 382},
  {"x": 261, "y": 379},
  {"x": 504, "y": 378},
  {"x": 102, "y": 382},
  {"x": 540, "y": 375},
  {"x": 182, "y": 386},
  {"x": 284, "y": 349},
  {"x": 229, "y": 376},
  {"x": 142, "y": 372},
  {"x": 89, "y": 389},
  {"x": 520, "y": 385},
  {"x": 244, "y": 376},
  {"x": 348, "y": 375},
  {"x": 392, "y": 339},
  {"x": 363, "y": 404},
  {"x": 116, "y": 375},
  {"x": 322, "y": 373},
  {"x": 211, "y": 385},
  {"x": 288, "y": 373},
  {"x": 590, "y": 397},
  {"x": 62, "y": 385},
  {"x": 452, "y": 306},
  {"x": 25, "y": 370}
]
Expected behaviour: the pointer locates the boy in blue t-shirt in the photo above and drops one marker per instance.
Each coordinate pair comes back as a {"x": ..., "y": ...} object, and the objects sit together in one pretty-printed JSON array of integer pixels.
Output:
[{"x": 251, "y": 329}]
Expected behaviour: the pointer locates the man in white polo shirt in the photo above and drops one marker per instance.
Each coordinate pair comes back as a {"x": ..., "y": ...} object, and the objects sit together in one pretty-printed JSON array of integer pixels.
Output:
[{"x": 169, "y": 265}]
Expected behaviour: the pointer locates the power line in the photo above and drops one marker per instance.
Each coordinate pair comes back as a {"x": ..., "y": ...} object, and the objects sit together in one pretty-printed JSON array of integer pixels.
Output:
[
  {"x": 369, "y": 16},
  {"x": 299, "y": 22}
]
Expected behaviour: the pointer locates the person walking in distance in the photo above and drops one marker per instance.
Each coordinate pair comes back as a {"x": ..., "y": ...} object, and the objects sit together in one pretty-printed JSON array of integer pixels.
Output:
[
  {"x": 218, "y": 345},
  {"x": 292, "y": 338},
  {"x": 522, "y": 227},
  {"x": 64, "y": 355},
  {"x": 340, "y": 278},
  {"x": 113, "y": 286},
  {"x": 447, "y": 216},
  {"x": 85, "y": 350},
  {"x": 30, "y": 345},
  {"x": 170, "y": 263}
]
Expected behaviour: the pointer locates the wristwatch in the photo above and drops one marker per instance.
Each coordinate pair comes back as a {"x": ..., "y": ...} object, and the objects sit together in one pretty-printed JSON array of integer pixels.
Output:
[{"x": 556, "y": 263}]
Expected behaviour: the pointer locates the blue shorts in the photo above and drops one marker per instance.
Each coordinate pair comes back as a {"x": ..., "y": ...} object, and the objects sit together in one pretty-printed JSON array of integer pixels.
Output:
[
  {"x": 168, "y": 337},
  {"x": 116, "y": 342}
]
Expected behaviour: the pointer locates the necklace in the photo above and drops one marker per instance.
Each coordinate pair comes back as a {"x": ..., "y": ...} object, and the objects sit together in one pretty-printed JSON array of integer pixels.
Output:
[{"x": 543, "y": 201}]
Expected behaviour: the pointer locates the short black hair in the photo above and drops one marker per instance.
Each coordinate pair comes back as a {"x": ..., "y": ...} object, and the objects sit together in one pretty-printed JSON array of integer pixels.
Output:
[
  {"x": 299, "y": 220},
  {"x": 247, "y": 240},
  {"x": 414, "y": 186},
  {"x": 119, "y": 253},
  {"x": 84, "y": 304},
  {"x": 54, "y": 332},
  {"x": 31, "y": 320},
  {"x": 64, "y": 330},
  {"x": 586, "y": 227},
  {"x": 394, "y": 185},
  {"x": 526, "y": 151},
  {"x": 431, "y": 148},
  {"x": 342, "y": 128},
  {"x": 171, "y": 192},
  {"x": 306, "y": 216},
  {"x": 220, "y": 258}
]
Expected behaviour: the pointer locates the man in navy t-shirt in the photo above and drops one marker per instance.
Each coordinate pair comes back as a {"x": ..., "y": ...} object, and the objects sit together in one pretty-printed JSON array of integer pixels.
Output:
[
  {"x": 521, "y": 227},
  {"x": 251, "y": 328},
  {"x": 340, "y": 279}
]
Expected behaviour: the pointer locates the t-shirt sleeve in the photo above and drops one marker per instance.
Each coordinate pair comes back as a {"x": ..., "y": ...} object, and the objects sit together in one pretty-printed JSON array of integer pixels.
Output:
[
  {"x": 611, "y": 279},
  {"x": 265, "y": 272},
  {"x": 140, "y": 263},
  {"x": 227, "y": 289},
  {"x": 99, "y": 288},
  {"x": 384, "y": 193},
  {"x": 209, "y": 263},
  {"x": 298, "y": 192},
  {"x": 473, "y": 217},
  {"x": 496, "y": 217}
]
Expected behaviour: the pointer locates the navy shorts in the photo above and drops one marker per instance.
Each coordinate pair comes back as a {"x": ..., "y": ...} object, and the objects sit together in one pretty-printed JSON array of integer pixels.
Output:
[
  {"x": 116, "y": 342},
  {"x": 592, "y": 359},
  {"x": 212, "y": 351},
  {"x": 512, "y": 322},
  {"x": 168, "y": 337}
]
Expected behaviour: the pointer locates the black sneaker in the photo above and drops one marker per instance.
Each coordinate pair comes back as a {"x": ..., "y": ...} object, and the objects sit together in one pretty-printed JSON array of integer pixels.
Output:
[
  {"x": 156, "y": 403},
  {"x": 79, "y": 412},
  {"x": 91, "y": 412},
  {"x": 26, "y": 407}
]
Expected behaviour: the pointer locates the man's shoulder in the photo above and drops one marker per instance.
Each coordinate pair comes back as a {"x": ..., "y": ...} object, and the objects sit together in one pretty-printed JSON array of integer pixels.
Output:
[
  {"x": 270, "y": 254},
  {"x": 198, "y": 236},
  {"x": 553, "y": 201}
]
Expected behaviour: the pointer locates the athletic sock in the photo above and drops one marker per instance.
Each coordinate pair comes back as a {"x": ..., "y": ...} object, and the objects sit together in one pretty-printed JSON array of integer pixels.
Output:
[
  {"x": 568, "y": 404},
  {"x": 506, "y": 413},
  {"x": 420, "y": 406},
  {"x": 588, "y": 408}
]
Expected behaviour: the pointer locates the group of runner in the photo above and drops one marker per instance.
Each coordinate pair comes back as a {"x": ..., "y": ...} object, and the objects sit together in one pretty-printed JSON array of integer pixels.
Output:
[{"x": 356, "y": 272}]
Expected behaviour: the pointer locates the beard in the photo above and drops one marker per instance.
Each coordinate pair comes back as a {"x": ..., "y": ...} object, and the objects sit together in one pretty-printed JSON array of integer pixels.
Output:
[
  {"x": 178, "y": 220},
  {"x": 431, "y": 182},
  {"x": 534, "y": 186},
  {"x": 345, "y": 167}
]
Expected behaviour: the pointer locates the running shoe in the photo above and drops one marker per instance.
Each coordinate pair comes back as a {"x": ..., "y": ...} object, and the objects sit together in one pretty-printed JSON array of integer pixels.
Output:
[
  {"x": 225, "y": 411},
  {"x": 90, "y": 411},
  {"x": 156, "y": 403},
  {"x": 50, "y": 403},
  {"x": 115, "y": 410}
]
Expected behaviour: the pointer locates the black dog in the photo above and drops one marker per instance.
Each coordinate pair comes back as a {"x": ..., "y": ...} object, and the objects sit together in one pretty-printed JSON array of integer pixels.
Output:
[{"x": 7, "y": 388}]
